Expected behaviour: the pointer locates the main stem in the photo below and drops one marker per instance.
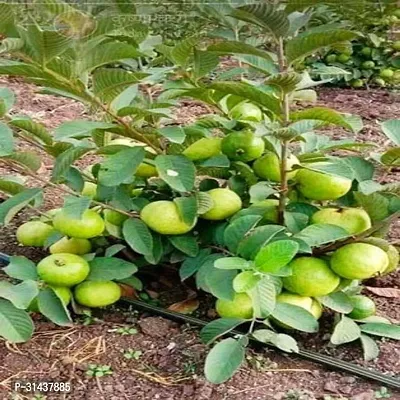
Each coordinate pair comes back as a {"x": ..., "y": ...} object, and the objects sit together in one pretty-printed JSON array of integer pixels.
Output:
[{"x": 284, "y": 143}]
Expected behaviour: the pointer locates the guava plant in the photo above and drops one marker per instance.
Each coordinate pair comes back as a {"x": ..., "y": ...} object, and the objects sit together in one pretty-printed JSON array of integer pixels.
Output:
[{"x": 252, "y": 200}]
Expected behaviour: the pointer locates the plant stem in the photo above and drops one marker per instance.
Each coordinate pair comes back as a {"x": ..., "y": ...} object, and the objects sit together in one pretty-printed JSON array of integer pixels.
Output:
[{"x": 284, "y": 143}]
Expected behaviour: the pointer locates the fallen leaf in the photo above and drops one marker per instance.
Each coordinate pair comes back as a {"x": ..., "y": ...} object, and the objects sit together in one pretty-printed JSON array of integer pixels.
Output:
[
  {"x": 153, "y": 294},
  {"x": 384, "y": 292},
  {"x": 128, "y": 291},
  {"x": 185, "y": 307}
]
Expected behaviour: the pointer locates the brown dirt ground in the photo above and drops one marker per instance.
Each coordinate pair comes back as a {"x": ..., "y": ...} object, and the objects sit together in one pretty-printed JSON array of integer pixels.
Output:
[{"x": 169, "y": 366}]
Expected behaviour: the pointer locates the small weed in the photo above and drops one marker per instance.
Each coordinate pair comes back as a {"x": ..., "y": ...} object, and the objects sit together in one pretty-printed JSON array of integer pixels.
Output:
[
  {"x": 382, "y": 393},
  {"x": 88, "y": 319},
  {"x": 189, "y": 368},
  {"x": 260, "y": 363},
  {"x": 298, "y": 395},
  {"x": 125, "y": 330},
  {"x": 131, "y": 354},
  {"x": 39, "y": 397},
  {"x": 97, "y": 371}
]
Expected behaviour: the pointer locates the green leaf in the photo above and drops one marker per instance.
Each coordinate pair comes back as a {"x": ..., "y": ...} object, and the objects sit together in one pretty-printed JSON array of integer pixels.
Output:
[
  {"x": 10, "y": 186},
  {"x": 133, "y": 282},
  {"x": 363, "y": 170},
  {"x": 74, "y": 207},
  {"x": 345, "y": 331},
  {"x": 110, "y": 268},
  {"x": 375, "y": 204},
  {"x": 324, "y": 114},
  {"x": 235, "y": 231},
  {"x": 260, "y": 64},
  {"x": 249, "y": 92},
  {"x": 175, "y": 134},
  {"x": 280, "y": 340},
  {"x": 232, "y": 263},
  {"x": 107, "y": 53},
  {"x": 79, "y": 128},
  {"x": 260, "y": 191},
  {"x": 231, "y": 47},
  {"x": 21, "y": 268},
  {"x": 204, "y": 202},
  {"x": 295, "y": 317},
  {"x": 303, "y": 45},
  {"x": 259, "y": 237},
  {"x": 26, "y": 159},
  {"x": 220, "y": 282},
  {"x": 13, "y": 205},
  {"x": 182, "y": 51},
  {"x": 337, "y": 301},
  {"x": 6, "y": 140},
  {"x": 204, "y": 63},
  {"x": 15, "y": 324},
  {"x": 138, "y": 236},
  {"x": 245, "y": 281},
  {"x": 285, "y": 81},
  {"x": 264, "y": 297},
  {"x": 370, "y": 348},
  {"x": 266, "y": 16},
  {"x": 7, "y": 97},
  {"x": 20, "y": 295},
  {"x": 186, "y": 244},
  {"x": 380, "y": 329},
  {"x": 318, "y": 234},
  {"x": 177, "y": 171},
  {"x": 219, "y": 327},
  {"x": 223, "y": 360},
  {"x": 274, "y": 256},
  {"x": 295, "y": 221},
  {"x": 120, "y": 167},
  {"x": 187, "y": 208},
  {"x": 391, "y": 157},
  {"x": 53, "y": 308},
  {"x": 66, "y": 159},
  {"x": 33, "y": 128},
  {"x": 192, "y": 264},
  {"x": 391, "y": 128}
]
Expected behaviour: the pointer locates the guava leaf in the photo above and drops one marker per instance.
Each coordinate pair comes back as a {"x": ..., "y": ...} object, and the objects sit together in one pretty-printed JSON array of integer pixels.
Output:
[
  {"x": 345, "y": 331},
  {"x": 20, "y": 295},
  {"x": 231, "y": 263},
  {"x": 264, "y": 297},
  {"x": 380, "y": 329},
  {"x": 79, "y": 128},
  {"x": 337, "y": 301},
  {"x": 53, "y": 308},
  {"x": 376, "y": 205},
  {"x": 6, "y": 140},
  {"x": 295, "y": 317},
  {"x": 370, "y": 348},
  {"x": 16, "y": 325},
  {"x": 186, "y": 244},
  {"x": 110, "y": 268},
  {"x": 192, "y": 264},
  {"x": 318, "y": 234},
  {"x": 187, "y": 208},
  {"x": 21, "y": 268},
  {"x": 157, "y": 250},
  {"x": 235, "y": 231},
  {"x": 391, "y": 128},
  {"x": 74, "y": 206},
  {"x": 138, "y": 236},
  {"x": 177, "y": 171},
  {"x": 245, "y": 281},
  {"x": 275, "y": 255},
  {"x": 223, "y": 360},
  {"x": 219, "y": 327}
]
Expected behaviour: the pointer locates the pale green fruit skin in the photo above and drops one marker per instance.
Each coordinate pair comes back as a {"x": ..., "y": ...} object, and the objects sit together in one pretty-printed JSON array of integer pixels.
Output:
[
  {"x": 353, "y": 220},
  {"x": 226, "y": 203},
  {"x": 359, "y": 261},
  {"x": 240, "y": 307},
  {"x": 145, "y": 170},
  {"x": 89, "y": 190},
  {"x": 268, "y": 167},
  {"x": 97, "y": 293},
  {"x": 250, "y": 148},
  {"x": 311, "y": 276},
  {"x": 34, "y": 233},
  {"x": 71, "y": 246},
  {"x": 63, "y": 269},
  {"x": 114, "y": 217},
  {"x": 318, "y": 186},
  {"x": 271, "y": 206},
  {"x": 246, "y": 112},
  {"x": 364, "y": 307},
  {"x": 89, "y": 226},
  {"x": 63, "y": 292},
  {"x": 163, "y": 217},
  {"x": 394, "y": 259},
  {"x": 203, "y": 148},
  {"x": 316, "y": 309},
  {"x": 305, "y": 302}
]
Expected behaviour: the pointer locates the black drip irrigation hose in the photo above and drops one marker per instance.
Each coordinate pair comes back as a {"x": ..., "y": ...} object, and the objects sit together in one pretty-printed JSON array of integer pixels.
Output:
[{"x": 326, "y": 361}]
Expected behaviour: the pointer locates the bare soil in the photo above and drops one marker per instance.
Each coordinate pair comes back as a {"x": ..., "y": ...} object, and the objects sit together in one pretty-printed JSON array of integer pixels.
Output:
[{"x": 167, "y": 358}]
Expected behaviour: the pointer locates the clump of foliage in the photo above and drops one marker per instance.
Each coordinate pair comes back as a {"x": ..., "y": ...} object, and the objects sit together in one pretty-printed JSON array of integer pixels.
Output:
[{"x": 251, "y": 201}]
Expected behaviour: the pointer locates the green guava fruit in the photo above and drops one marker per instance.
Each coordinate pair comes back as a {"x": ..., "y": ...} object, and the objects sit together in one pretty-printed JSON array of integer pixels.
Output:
[
  {"x": 242, "y": 146},
  {"x": 163, "y": 217},
  {"x": 114, "y": 217},
  {"x": 34, "y": 233},
  {"x": 71, "y": 246},
  {"x": 353, "y": 220},
  {"x": 97, "y": 293},
  {"x": 364, "y": 307},
  {"x": 311, "y": 276},
  {"x": 240, "y": 307},
  {"x": 359, "y": 261},
  {"x": 203, "y": 148},
  {"x": 246, "y": 112},
  {"x": 225, "y": 203},
  {"x": 268, "y": 167}
]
